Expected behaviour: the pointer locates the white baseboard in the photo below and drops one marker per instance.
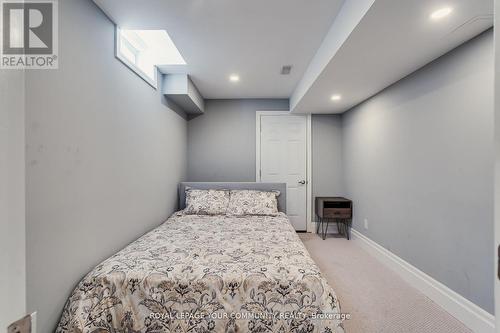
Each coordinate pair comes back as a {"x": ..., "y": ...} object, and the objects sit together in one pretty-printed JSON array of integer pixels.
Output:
[{"x": 471, "y": 315}]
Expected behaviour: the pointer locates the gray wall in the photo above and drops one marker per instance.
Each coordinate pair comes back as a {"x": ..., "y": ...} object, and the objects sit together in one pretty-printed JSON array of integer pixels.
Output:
[
  {"x": 418, "y": 163},
  {"x": 221, "y": 142},
  {"x": 327, "y": 180},
  {"x": 104, "y": 157},
  {"x": 12, "y": 216}
]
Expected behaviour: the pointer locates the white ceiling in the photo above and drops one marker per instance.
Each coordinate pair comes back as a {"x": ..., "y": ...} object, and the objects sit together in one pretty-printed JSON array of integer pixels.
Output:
[
  {"x": 253, "y": 38},
  {"x": 392, "y": 40},
  {"x": 372, "y": 43}
]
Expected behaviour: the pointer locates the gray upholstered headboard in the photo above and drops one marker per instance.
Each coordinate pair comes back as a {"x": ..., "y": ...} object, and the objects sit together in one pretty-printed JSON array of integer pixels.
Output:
[{"x": 235, "y": 186}]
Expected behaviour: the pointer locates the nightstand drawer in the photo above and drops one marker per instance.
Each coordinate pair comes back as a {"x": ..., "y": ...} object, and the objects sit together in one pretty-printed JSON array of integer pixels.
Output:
[{"x": 340, "y": 213}]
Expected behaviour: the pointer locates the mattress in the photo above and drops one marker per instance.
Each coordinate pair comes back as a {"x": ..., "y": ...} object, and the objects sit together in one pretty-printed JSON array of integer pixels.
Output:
[{"x": 207, "y": 274}]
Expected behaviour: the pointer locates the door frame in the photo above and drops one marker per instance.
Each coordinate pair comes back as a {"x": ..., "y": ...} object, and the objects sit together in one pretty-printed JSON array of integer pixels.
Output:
[
  {"x": 309, "y": 197},
  {"x": 496, "y": 156}
]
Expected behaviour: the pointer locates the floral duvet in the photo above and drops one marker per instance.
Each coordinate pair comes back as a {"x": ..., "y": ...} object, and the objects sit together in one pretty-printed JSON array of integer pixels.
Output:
[{"x": 206, "y": 274}]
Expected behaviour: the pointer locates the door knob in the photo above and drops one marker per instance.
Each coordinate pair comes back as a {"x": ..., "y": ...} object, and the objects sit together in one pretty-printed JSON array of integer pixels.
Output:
[{"x": 302, "y": 182}]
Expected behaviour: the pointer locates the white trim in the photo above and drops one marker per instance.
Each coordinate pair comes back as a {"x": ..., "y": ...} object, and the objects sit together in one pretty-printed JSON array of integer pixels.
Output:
[
  {"x": 468, "y": 313},
  {"x": 309, "y": 194},
  {"x": 309, "y": 197}
]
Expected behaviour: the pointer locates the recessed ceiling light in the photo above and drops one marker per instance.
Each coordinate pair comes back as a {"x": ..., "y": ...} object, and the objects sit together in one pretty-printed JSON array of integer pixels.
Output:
[
  {"x": 441, "y": 13},
  {"x": 336, "y": 97},
  {"x": 234, "y": 78}
]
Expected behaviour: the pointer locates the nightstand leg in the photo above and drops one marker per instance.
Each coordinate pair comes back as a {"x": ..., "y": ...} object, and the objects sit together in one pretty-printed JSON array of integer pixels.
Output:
[
  {"x": 346, "y": 228},
  {"x": 323, "y": 228},
  {"x": 326, "y": 229}
]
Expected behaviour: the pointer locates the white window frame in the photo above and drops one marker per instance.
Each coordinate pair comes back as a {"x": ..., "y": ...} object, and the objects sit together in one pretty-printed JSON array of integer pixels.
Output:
[{"x": 153, "y": 82}]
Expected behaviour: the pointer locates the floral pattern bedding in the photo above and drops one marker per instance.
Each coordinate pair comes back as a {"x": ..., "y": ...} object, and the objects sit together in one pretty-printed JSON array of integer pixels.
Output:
[
  {"x": 250, "y": 202},
  {"x": 199, "y": 274},
  {"x": 206, "y": 202}
]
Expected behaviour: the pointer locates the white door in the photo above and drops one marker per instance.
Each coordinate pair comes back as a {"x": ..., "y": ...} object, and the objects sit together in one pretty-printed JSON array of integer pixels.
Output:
[{"x": 283, "y": 159}]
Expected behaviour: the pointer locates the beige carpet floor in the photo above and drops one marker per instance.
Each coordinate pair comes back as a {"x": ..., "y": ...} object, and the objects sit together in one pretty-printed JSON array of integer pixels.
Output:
[{"x": 376, "y": 297}]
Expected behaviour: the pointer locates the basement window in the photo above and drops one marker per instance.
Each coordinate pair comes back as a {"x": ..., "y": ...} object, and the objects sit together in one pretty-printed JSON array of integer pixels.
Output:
[{"x": 143, "y": 50}]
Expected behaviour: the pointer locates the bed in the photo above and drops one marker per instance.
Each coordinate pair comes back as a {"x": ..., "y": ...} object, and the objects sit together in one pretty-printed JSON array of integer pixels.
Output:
[{"x": 199, "y": 273}]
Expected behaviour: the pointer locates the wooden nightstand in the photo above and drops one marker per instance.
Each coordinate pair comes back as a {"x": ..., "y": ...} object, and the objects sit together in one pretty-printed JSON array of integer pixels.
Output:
[{"x": 333, "y": 209}]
